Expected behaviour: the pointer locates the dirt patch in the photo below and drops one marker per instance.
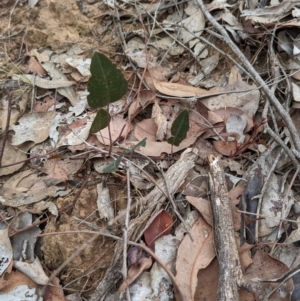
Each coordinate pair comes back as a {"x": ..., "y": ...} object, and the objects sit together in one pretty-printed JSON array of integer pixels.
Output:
[
  {"x": 88, "y": 268},
  {"x": 52, "y": 23}
]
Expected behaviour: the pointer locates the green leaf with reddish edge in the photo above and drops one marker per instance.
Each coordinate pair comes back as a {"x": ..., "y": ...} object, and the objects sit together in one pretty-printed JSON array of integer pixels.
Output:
[
  {"x": 101, "y": 121},
  {"x": 179, "y": 128},
  {"x": 107, "y": 83}
]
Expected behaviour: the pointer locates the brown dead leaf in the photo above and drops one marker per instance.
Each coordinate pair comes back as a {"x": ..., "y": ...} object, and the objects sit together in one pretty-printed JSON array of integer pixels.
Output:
[
  {"x": 226, "y": 148},
  {"x": 161, "y": 225},
  {"x": 13, "y": 155},
  {"x": 34, "y": 67},
  {"x": 203, "y": 206},
  {"x": 244, "y": 253},
  {"x": 118, "y": 128},
  {"x": 55, "y": 170},
  {"x": 266, "y": 267},
  {"x": 234, "y": 195},
  {"x": 135, "y": 271},
  {"x": 207, "y": 284},
  {"x": 147, "y": 129},
  {"x": 16, "y": 278},
  {"x": 226, "y": 112},
  {"x": 193, "y": 256},
  {"x": 45, "y": 104},
  {"x": 55, "y": 292},
  {"x": 179, "y": 90},
  {"x": 160, "y": 120}
]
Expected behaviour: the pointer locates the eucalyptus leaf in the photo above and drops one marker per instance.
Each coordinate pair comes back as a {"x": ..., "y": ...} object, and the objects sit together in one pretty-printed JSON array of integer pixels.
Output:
[
  {"x": 179, "y": 128},
  {"x": 107, "y": 83},
  {"x": 101, "y": 121}
]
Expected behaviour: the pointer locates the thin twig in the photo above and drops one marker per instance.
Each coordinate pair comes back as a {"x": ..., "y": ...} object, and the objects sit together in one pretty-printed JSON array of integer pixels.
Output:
[
  {"x": 10, "y": 16},
  {"x": 126, "y": 226},
  {"x": 5, "y": 133},
  {"x": 283, "y": 145}
]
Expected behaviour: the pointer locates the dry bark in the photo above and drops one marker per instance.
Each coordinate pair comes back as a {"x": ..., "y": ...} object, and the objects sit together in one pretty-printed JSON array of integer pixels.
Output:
[{"x": 230, "y": 275}]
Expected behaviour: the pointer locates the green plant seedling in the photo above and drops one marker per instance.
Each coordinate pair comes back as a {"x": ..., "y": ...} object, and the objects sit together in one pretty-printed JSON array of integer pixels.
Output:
[
  {"x": 101, "y": 121},
  {"x": 113, "y": 166},
  {"x": 107, "y": 83}
]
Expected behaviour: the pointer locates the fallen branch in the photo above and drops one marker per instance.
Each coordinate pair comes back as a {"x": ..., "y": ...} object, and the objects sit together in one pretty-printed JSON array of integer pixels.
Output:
[{"x": 230, "y": 275}]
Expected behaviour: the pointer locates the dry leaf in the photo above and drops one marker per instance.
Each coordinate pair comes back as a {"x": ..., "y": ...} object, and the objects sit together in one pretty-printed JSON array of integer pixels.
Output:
[
  {"x": 160, "y": 120},
  {"x": 45, "y": 104},
  {"x": 135, "y": 271},
  {"x": 226, "y": 148},
  {"x": 33, "y": 66},
  {"x": 179, "y": 90},
  {"x": 193, "y": 256},
  {"x": 266, "y": 267},
  {"x": 32, "y": 127},
  {"x": 161, "y": 225},
  {"x": 118, "y": 129},
  {"x": 203, "y": 206},
  {"x": 207, "y": 282}
]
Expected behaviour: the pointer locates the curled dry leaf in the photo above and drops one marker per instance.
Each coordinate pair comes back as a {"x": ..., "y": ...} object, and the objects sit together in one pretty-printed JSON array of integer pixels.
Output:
[
  {"x": 179, "y": 90},
  {"x": 33, "y": 270},
  {"x": 160, "y": 120}
]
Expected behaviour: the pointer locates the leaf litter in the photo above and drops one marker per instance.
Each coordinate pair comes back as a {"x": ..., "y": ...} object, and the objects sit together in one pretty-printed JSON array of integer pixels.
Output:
[{"x": 73, "y": 152}]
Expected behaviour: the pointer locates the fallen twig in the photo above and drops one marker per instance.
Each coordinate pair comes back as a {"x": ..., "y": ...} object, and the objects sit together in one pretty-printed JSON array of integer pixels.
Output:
[{"x": 230, "y": 275}]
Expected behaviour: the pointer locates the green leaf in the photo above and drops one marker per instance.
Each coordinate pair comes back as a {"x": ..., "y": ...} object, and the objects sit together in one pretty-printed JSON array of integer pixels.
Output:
[
  {"x": 179, "y": 128},
  {"x": 113, "y": 166},
  {"x": 107, "y": 83},
  {"x": 141, "y": 143},
  {"x": 101, "y": 121}
]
